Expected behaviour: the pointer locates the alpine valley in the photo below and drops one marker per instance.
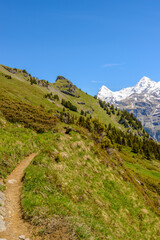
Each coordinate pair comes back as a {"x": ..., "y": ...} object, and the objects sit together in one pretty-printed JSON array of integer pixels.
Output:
[{"x": 143, "y": 100}]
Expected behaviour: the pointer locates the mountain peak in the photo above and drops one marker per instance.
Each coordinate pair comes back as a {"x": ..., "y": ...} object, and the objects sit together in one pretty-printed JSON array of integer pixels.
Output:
[
  {"x": 145, "y": 79},
  {"x": 105, "y": 88},
  {"x": 104, "y": 91},
  {"x": 144, "y": 83},
  {"x": 60, "y": 78}
]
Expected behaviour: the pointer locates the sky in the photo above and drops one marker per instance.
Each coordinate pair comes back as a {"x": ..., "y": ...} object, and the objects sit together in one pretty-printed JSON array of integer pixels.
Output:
[{"x": 90, "y": 42}]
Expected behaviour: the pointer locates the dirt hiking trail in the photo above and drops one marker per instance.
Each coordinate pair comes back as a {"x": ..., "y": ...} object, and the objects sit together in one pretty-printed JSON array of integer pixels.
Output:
[{"x": 15, "y": 226}]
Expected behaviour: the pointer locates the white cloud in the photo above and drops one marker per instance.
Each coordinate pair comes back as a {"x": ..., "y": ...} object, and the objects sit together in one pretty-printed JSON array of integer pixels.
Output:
[
  {"x": 94, "y": 81},
  {"x": 108, "y": 65}
]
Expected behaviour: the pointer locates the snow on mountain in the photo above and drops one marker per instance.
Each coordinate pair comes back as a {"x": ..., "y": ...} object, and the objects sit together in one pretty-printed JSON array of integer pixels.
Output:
[
  {"x": 113, "y": 96},
  {"x": 143, "y": 100},
  {"x": 145, "y": 85}
]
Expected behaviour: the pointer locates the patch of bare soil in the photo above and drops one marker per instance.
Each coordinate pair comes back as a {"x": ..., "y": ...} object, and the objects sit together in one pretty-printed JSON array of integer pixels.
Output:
[{"x": 15, "y": 225}]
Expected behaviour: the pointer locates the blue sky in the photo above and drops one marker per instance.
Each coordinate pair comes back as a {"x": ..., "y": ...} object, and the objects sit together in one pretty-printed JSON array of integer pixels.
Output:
[{"x": 90, "y": 42}]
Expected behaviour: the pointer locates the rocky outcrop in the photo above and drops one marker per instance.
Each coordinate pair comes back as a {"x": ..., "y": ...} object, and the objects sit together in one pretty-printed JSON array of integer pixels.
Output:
[
  {"x": 82, "y": 103},
  {"x": 60, "y": 78}
]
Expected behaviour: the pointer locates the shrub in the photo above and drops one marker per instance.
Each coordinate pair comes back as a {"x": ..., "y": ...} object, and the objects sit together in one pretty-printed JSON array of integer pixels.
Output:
[
  {"x": 69, "y": 105},
  {"x": 58, "y": 158},
  {"x": 51, "y": 96},
  {"x": 33, "y": 80},
  {"x": 8, "y": 76},
  {"x": 36, "y": 118},
  {"x": 24, "y": 71}
]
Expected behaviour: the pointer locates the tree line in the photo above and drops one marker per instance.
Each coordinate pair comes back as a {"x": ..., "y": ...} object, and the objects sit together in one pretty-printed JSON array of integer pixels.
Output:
[{"x": 110, "y": 136}]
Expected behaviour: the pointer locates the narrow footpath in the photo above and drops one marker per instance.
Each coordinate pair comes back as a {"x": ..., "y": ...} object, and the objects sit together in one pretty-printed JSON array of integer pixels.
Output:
[{"x": 12, "y": 226}]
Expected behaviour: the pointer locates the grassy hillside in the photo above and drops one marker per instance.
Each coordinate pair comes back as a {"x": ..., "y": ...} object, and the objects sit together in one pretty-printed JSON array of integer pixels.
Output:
[
  {"x": 19, "y": 88},
  {"x": 97, "y": 175},
  {"x": 69, "y": 181}
]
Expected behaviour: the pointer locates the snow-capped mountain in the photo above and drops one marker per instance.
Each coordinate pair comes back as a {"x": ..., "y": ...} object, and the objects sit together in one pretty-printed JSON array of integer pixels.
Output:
[
  {"x": 145, "y": 85},
  {"x": 143, "y": 100}
]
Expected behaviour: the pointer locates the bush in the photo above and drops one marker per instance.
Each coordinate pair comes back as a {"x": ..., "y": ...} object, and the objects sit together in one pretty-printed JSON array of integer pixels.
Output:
[
  {"x": 8, "y": 76},
  {"x": 51, "y": 96},
  {"x": 33, "y": 80},
  {"x": 69, "y": 105},
  {"x": 36, "y": 118},
  {"x": 24, "y": 71}
]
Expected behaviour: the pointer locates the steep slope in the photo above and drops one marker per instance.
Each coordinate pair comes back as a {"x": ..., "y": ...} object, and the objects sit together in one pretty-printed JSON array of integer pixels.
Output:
[
  {"x": 36, "y": 94},
  {"x": 143, "y": 100},
  {"x": 73, "y": 183},
  {"x": 97, "y": 173}
]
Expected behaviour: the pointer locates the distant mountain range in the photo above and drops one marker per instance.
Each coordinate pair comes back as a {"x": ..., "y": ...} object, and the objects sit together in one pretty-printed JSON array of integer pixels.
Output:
[{"x": 143, "y": 100}]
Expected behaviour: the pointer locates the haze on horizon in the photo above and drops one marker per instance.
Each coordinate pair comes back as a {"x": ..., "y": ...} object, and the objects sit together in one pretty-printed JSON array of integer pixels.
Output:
[{"x": 92, "y": 43}]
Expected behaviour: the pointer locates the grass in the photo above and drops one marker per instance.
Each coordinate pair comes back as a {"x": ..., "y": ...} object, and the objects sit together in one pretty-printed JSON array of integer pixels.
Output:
[
  {"x": 2, "y": 188},
  {"x": 139, "y": 169},
  {"x": 91, "y": 104},
  {"x": 79, "y": 188},
  {"x": 23, "y": 91},
  {"x": 15, "y": 144}
]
